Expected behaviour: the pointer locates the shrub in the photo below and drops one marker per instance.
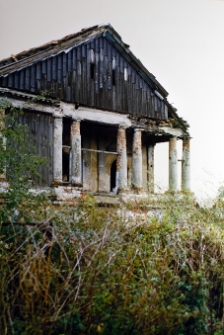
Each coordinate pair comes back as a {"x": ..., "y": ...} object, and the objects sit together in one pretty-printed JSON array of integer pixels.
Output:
[{"x": 98, "y": 276}]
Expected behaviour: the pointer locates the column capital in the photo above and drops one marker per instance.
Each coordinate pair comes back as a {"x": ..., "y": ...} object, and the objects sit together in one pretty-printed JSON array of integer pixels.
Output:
[
  {"x": 138, "y": 129},
  {"x": 76, "y": 118},
  {"x": 58, "y": 114},
  {"x": 123, "y": 125}
]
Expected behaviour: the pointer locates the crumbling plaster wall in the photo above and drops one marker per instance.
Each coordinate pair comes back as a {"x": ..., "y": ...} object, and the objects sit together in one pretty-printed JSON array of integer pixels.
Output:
[{"x": 97, "y": 165}]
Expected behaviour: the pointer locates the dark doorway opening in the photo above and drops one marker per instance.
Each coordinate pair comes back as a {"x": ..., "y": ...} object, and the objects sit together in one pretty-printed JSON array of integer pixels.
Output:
[
  {"x": 66, "y": 149},
  {"x": 113, "y": 170}
]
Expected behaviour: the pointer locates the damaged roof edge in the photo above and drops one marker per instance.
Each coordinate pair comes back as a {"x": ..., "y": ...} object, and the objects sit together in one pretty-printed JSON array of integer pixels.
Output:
[
  {"x": 43, "y": 47},
  {"x": 11, "y": 63},
  {"x": 173, "y": 111}
]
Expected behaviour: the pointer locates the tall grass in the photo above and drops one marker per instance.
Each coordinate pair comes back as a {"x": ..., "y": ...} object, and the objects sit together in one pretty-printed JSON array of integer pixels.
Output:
[{"x": 85, "y": 269}]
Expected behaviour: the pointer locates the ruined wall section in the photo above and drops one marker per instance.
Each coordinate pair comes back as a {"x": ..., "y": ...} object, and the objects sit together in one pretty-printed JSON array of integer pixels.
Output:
[
  {"x": 40, "y": 128},
  {"x": 97, "y": 165}
]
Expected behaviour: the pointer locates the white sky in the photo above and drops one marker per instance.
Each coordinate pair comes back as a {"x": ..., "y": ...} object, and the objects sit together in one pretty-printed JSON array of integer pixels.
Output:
[{"x": 180, "y": 41}]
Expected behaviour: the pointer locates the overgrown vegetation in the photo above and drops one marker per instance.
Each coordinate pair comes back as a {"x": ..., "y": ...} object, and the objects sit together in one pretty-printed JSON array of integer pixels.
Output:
[
  {"x": 18, "y": 162},
  {"x": 158, "y": 276},
  {"x": 146, "y": 268}
]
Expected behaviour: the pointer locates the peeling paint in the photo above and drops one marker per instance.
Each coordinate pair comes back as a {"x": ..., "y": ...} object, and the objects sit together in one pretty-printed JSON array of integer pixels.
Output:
[
  {"x": 173, "y": 182},
  {"x": 137, "y": 159},
  {"x": 151, "y": 168},
  {"x": 122, "y": 158},
  {"x": 76, "y": 153},
  {"x": 186, "y": 182}
]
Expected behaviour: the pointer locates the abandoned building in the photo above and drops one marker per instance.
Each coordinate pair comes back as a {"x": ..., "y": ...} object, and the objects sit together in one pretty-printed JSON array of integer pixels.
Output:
[{"x": 96, "y": 114}]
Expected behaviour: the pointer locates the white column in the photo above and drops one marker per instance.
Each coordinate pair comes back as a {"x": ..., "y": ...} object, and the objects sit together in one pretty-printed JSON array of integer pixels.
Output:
[
  {"x": 76, "y": 153},
  {"x": 137, "y": 159},
  {"x": 121, "y": 158},
  {"x": 173, "y": 182},
  {"x": 57, "y": 172},
  {"x": 186, "y": 180},
  {"x": 151, "y": 168},
  {"x": 3, "y": 142},
  {"x": 4, "y": 185}
]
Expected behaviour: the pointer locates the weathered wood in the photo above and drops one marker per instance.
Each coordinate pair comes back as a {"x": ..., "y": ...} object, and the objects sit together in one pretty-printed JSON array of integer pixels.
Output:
[
  {"x": 102, "y": 151},
  {"x": 93, "y": 74},
  {"x": 16, "y": 80},
  {"x": 27, "y": 78},
  {"x": 40, "y": 127}
]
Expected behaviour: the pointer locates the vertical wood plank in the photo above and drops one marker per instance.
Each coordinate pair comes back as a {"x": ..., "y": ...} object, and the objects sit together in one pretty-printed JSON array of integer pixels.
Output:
[
  {"x": 16, "y": 79},
  {"x": 74, "y": 58},
  {"x": 59, "y": 68},
  {"x": 27, "y": 78},
  {"x": 33, "y": 79}
]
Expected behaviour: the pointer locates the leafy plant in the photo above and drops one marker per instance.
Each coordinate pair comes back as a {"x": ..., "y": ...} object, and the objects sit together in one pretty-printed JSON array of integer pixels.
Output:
[{"x": 18, "y": 161}]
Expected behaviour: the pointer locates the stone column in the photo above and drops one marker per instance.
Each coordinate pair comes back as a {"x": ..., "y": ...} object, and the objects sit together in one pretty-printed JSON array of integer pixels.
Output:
[
  {"x": 137, "y": 159},
  {"x": 4, "y": 185},
  {"x": 173, "y": 182},
  {"x": 76, "y": 153},
  {"x": 121, "y": 158},
  {"x": 185, "y": 182},
  {"x": 3, "y": 143},
  {"x": 151, "y": 168},
  {"x": 57, "y": 159}
]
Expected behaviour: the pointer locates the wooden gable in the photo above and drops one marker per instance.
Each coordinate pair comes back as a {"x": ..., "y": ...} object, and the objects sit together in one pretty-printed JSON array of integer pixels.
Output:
[{"x": 93, "y": 73}]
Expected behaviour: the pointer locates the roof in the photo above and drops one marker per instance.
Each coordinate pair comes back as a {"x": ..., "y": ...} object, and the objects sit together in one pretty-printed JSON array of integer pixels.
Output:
[
  {"x": 33, "y": 55},
  {"x": 27, "y": 57}
]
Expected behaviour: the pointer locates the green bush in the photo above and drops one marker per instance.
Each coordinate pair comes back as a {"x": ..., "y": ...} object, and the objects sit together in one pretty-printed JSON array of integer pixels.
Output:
[{"x": 98, "y": 275}]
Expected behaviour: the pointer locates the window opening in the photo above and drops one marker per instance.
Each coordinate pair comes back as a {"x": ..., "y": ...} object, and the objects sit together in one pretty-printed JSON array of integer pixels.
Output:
[
  {"x": 92, "y": 70},
  {"x": 113, "y": 78},
  {"x": 66, "y": 150}
]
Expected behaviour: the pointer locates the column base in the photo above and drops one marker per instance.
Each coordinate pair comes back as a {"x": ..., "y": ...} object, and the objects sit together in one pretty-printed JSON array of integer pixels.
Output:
[
  {"x": 123, "y": 190},
  {"x": 57, "y": 182},
  {"x": 138, "y": 190}
]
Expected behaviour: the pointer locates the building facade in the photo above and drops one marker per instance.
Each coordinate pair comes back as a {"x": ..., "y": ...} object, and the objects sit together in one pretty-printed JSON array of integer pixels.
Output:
[{"x": 96, "y": 113}]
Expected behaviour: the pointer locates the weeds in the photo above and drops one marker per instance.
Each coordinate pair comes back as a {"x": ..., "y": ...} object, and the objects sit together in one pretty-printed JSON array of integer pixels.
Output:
[{"x": 96, "y": 276}]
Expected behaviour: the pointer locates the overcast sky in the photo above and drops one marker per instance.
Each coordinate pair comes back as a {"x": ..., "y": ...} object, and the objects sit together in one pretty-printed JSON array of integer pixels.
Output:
[{"x": 180, "y": 41}]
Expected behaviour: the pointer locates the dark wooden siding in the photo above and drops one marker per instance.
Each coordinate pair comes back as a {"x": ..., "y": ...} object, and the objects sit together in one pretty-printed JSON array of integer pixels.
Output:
[
  {"x": 41, "y": 134},
  {"x": 93, "y": 74}
]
